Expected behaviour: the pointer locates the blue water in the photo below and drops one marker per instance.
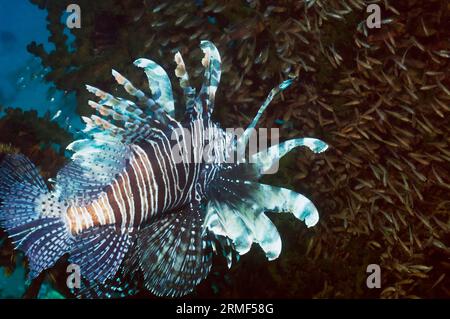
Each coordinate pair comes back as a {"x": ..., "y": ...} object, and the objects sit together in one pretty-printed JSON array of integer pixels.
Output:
[{"x": 21, "y": 74}]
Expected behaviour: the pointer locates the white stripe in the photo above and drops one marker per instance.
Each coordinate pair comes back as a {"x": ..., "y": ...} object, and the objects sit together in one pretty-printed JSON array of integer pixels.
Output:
[
  {"x": 88, "y": 217},
  {"x": 150, "y": 176},
  {"x": 155, "y": 147},
  {"x": 130, "y": 199},
  {"x": 99, "y": 212},
  {"x": 142, "y": 190},
  {"x": 105, "y": 200},
  {"x": 119, "y": 202},
  {"x": 78, "y": 223}
]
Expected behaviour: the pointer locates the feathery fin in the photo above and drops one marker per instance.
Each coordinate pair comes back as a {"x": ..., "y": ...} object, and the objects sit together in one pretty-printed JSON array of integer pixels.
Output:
[
  {"x": 192, "y": 110},
  {"x": 99, "y": 252},
  {"x": 173, "y": 252},
  {"x": 31, "y": 215},
  {"x": 264, "y": 160}
]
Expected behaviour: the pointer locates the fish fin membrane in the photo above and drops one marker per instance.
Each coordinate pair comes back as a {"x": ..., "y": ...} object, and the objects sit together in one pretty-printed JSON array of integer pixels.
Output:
[
  {"x": 41, "y": 235},
  {"x": 124, "y": 284},
  {"x": 237, "y": 211},
  {"x": 95, "y": 163},
  {"x": 174, "y": 253},
  {"x": 99, "y": 252}
]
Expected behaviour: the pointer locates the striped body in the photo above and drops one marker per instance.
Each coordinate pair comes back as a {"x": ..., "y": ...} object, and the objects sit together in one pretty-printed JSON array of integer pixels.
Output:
[{"x": 154, "y": 181}]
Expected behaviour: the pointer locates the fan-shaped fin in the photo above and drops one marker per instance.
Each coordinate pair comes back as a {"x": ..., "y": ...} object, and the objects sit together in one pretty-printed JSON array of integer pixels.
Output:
[
  {"x": 129, "y": 87},
  {"x": 174, "y": 253},
  {"x": 99, "y": 252}
]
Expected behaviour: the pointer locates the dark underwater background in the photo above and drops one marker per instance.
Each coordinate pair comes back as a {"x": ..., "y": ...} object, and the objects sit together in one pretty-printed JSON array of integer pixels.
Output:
[{"x": 379, "y": 98}]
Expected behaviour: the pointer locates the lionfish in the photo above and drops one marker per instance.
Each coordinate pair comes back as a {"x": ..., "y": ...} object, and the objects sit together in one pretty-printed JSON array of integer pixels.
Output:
[{"x": 126, "y": 211}]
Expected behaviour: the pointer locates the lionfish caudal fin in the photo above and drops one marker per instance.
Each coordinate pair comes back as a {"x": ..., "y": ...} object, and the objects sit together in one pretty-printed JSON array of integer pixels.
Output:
[{"x": 31, "y": 214}]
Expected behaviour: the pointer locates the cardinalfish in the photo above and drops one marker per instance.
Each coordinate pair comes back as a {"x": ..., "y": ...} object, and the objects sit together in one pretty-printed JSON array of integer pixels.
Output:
[{"x": 128, "y": 213}]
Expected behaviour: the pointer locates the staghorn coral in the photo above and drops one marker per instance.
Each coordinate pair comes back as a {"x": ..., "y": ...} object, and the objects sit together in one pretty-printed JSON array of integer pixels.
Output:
[{"x": 380, "y": 97}]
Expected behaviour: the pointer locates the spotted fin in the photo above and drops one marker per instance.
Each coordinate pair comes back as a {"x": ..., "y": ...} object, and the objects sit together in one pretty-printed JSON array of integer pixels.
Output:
[
  {"x": 192, "y": 109},
  {"x": 95, "y": 163},
  {"x": 99, "y": 252},
  {"x": 123, "y": 284},
  {"x": 31, "y": 215},
  {"x": 174, "y": 253}
]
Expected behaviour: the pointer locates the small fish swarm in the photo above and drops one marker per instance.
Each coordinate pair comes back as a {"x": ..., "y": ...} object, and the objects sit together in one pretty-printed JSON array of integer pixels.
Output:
[{"x": 379, "y": 97}]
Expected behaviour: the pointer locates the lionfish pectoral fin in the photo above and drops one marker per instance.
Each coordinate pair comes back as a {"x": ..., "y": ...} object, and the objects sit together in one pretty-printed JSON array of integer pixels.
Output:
[
  {"x": 243, "y": 140},
  {"x": 265, "y": 160},
  {"x": 243, "y": 227},
  {"x": 236, "y": 211},
  {"x": 283, "y": 200},
  {"x": 174, "y": 253},
  {"x": 228, "y": 223},
  {"x": 99, "y": 252},
  {"x": 30, "y": 214}
]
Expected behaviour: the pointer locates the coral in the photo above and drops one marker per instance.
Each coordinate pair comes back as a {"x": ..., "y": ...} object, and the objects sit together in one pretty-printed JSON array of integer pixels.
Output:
[{"x": 379, "y": 97}]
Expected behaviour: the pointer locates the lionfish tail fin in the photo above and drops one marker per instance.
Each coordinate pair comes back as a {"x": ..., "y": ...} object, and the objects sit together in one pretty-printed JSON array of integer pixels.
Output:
[
  {"x": 31, "y": 215},
  {"x": 174, "y": 253}
]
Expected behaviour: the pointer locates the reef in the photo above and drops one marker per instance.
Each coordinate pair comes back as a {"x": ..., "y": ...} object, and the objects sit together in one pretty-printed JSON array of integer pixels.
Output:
[{"x": 380, "y": 98}]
